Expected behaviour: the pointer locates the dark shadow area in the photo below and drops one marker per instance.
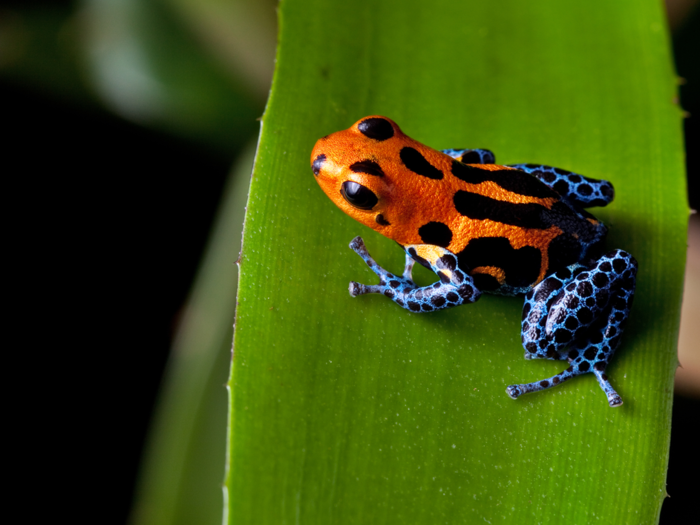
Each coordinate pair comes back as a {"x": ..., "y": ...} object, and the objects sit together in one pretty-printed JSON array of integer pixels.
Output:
[
  {"x": 682, "y": 485},
  {"x": 684, "y": 464},
  {"x": 107, "y": 227}
]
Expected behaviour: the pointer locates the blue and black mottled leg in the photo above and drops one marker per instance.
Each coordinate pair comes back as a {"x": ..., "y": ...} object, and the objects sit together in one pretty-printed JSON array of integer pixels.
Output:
[
  {"x": 472, "y": 156},
  {"x": 577, "y": 189},
  {"x": 584, "y": 308},
  {"x": 454, "y": 288}
]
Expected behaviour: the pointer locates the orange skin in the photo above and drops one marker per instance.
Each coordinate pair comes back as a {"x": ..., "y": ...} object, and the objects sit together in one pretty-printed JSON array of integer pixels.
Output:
[{"x": 407, "y": 201}]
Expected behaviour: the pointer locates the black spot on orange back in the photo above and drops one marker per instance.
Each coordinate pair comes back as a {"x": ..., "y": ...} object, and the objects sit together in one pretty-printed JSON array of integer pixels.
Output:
[
  {"x": 521, "y": 266},
  {"x": 417, "y": 163},
  {"x": 367, "y": 166},
  {"x": 564, "y": 250},
  {"x": 479, "y": 207},
  {"x": 485, "y": 282},
  {"x": 436, "y": 233},
  {"x": 511, "y": 180}
]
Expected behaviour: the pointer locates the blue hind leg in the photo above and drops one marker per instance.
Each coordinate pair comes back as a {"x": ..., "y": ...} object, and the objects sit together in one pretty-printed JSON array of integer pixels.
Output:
[
  {"x": 584, "y": 309},
  {"x": 577, "y": 189}
]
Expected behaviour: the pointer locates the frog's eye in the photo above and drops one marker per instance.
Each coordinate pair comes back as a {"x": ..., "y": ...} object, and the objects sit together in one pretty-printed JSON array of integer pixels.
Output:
[{"x": 357, "y": 195}]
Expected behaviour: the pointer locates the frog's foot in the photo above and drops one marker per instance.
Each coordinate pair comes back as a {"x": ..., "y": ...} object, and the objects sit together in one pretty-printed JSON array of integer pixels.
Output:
[
  {"x": 515, "y": 391},
  {"x": 454, "y": 287},
  {"x": 546, "y": 351},
  {"x": 388, "y": 282},
  {"x": 535, "y": 315},
  {"x": 614, "y": 399}
]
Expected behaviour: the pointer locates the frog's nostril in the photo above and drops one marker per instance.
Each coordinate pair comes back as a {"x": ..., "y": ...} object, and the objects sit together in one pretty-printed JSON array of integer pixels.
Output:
[{"x": 317, "y": 163}]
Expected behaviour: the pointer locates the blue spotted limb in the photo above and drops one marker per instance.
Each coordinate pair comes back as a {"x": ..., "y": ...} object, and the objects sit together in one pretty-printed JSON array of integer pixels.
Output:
[
  {"x": 584, "y": 308},
  {"x": 576, "y": 189},
  {"x": 455, "y": 287},
  {"x": 472, "y": 156}
]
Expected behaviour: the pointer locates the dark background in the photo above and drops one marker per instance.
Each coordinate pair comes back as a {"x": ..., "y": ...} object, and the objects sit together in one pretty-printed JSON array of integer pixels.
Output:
[{"x": 108, "y": 221}]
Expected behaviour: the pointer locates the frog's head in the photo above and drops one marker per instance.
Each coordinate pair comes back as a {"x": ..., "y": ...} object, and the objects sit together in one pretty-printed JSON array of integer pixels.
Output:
[{"x": 353, "y": 168}]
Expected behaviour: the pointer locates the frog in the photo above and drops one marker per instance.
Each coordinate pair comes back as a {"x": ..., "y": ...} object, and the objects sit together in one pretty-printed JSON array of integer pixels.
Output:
[{"x": 481, "y": 227}]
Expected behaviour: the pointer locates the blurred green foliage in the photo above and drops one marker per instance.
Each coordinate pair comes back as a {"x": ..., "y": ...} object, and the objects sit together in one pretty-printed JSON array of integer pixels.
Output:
[{"x": 148, "y": 61}]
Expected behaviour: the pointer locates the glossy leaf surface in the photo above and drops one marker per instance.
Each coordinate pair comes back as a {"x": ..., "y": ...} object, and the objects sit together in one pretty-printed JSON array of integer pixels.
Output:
[{"x": 356, "y": 411}]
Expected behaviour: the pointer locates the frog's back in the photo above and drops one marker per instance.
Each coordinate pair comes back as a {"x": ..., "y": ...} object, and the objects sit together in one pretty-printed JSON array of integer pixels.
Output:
[
  {"x": 522, "y": 241},
  {"x": 508, "y": 228}
]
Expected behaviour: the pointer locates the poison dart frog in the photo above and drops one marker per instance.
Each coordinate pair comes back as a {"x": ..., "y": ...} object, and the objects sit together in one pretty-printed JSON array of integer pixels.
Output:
[{"x": 482, "y": 227}]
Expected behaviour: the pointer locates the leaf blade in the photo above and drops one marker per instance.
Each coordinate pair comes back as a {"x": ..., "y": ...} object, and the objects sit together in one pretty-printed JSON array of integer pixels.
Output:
[{"x": 349, "y": 408}]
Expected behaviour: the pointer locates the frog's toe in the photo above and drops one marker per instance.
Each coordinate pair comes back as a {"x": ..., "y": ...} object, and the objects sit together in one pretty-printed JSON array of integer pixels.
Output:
[
  {"x": 514, "y": 390},
  {"x": 356, "y": 289},
  {"x": 358, "y": 245},
  {"x": 614, "y": 400}
]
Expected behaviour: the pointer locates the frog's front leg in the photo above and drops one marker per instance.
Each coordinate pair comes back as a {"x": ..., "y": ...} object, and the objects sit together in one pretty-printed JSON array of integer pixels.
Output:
[
  {"x": 472, "y": 156},
  {"x": 454, "y": 288},
  {"x": 584, "y": 308}
]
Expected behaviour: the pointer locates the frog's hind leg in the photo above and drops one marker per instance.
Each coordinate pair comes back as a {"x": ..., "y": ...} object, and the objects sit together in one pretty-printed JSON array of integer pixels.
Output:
[
  {"x": 538, "y": 301},
  {"x": 588, "y": 314},
  {"x": 595, "y": 351},
  {"x": 515, "y": 391},
  {"x": 580, "y": 190},
  {"x": 592, "y": 354}
]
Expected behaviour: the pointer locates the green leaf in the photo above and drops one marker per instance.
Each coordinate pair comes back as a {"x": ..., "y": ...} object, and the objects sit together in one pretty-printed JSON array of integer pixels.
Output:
[{"x": 356, "y": 411}]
